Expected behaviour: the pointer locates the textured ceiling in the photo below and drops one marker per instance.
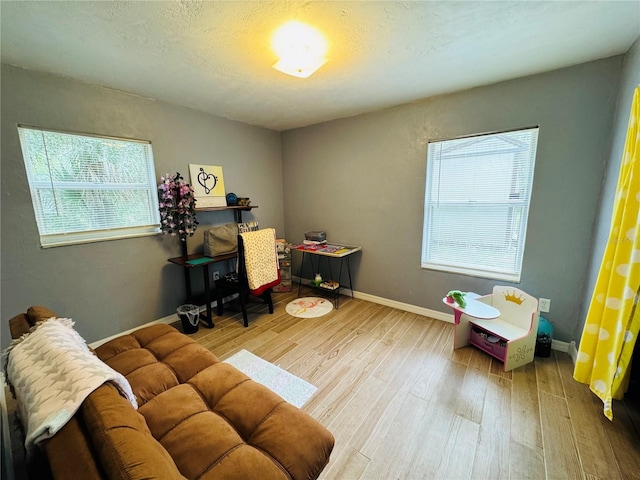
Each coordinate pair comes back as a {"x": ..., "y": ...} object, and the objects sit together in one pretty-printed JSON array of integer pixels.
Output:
[{"x": 215, "y": 56}]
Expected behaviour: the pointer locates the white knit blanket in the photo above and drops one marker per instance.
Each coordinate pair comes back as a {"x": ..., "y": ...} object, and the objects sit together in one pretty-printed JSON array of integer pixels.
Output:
[{"x": 52, "y": 371}]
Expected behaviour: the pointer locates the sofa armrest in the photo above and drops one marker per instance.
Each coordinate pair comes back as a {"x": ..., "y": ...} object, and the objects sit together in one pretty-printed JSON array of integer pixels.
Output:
[
  {"x": 19, "y": 325},
  {"x": 70, "y": 455},
  {"x": 124, "y": 445},
  {"x": 22, "y": 323}
]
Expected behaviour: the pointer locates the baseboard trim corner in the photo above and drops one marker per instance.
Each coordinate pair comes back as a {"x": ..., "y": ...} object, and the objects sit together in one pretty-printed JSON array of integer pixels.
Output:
[
  {"x": 407, "y": 307},
  {"x": 573, "y": 352}
]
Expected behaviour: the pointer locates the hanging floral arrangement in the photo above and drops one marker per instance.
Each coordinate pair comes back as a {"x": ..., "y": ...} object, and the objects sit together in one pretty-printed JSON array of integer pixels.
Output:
[{"x": 177, "y": 207}]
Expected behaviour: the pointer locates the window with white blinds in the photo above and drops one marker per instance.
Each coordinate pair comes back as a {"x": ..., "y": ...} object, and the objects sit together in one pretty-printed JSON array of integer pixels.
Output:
[
  {"x": 87, "y": 188},
  {"x": 477, "y": 198}
]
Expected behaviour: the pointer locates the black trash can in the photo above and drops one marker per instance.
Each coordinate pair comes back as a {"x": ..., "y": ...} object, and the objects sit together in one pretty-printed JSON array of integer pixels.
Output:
[
  {"x": 543, "y": 346},
  {"x": 190, "y": 317},
  {"x": 544, "y": 339}
]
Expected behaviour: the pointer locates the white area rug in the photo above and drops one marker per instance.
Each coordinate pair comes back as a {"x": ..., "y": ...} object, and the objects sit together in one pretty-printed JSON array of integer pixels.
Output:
[
  {"x": 291, "y": 388},
  {"x": 309, "y": 307}
]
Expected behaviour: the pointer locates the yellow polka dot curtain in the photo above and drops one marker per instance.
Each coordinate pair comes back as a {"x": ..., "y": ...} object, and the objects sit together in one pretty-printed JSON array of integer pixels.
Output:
[{"x": 613, "y": 321}]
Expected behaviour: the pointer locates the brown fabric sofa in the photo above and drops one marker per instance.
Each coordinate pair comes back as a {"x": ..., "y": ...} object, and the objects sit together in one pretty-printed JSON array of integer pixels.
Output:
[{"x": 198, "y": 418}]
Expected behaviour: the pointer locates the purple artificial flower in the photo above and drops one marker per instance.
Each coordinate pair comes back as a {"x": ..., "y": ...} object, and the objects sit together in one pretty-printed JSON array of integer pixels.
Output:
[{"x": 177, "y": 206}]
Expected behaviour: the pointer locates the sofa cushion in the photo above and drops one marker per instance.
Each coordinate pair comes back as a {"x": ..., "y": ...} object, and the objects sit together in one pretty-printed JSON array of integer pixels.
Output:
[
  {"x": 120, "y": 436},
  {"x": 239, "y": 424},
  {"x": 155, "y": 359},
  {"x": 213, "y": 420},
  {"x": 202, "y": 443}
]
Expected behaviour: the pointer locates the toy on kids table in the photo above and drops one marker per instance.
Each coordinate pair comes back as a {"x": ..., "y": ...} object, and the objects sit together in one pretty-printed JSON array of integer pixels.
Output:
[{"x": 458, "y": 297}]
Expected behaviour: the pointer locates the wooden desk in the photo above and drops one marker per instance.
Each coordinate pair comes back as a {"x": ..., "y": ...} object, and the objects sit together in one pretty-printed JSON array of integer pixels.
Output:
[
  {"x": 343, "y": 254},
  {"x": 198, "y": 260},
  {"x": 474, "y": 309}
]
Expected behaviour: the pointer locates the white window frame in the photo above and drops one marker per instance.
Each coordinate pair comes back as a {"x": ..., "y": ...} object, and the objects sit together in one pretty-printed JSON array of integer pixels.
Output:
[
  {"x": 149, "y": 225},
  {"x": 443, "y": 250}
]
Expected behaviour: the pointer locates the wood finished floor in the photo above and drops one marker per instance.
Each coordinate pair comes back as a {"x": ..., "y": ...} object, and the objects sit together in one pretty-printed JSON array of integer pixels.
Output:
[{"x": 403, "y": 405}]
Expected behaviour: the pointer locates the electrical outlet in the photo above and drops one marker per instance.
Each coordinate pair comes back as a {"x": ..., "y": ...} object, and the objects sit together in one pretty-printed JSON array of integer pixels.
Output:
[
  {"x": 216, "y": 275},
  {"x": 545, "y": 305}
]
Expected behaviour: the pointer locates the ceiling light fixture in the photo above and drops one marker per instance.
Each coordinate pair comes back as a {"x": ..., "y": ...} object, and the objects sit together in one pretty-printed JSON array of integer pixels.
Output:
[{"x": 300, "y": 48}]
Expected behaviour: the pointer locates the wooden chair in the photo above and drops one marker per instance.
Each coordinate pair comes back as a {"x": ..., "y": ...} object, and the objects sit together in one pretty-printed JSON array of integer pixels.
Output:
[{"x": 240, "y": 282}]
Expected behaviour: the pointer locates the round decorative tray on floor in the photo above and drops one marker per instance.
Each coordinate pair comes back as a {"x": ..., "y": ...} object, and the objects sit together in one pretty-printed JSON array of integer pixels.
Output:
[{"x": 309, "y": 307}]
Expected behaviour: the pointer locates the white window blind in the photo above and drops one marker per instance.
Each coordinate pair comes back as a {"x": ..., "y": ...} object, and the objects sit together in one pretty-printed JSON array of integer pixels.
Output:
[
  {"x": 89, "y": 188},
  {"x": 477, "y": 198}
]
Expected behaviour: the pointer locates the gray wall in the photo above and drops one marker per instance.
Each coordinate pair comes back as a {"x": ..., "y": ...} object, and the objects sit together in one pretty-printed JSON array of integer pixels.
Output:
[
  {"x": 629, "y": 82},
  {"x": 362, "y": 180},
  {"x": 112, "y": 286}
]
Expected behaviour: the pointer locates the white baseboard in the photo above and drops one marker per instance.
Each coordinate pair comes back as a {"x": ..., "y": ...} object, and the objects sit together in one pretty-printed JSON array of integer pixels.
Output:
[
  {"x": 167, "y": 320},
  {"x": 427, "y": 312},
  {"x": 558, "y": 345},
  {"x": 436, "y": 315},
  {"x": 391, "y": 303},
  {"x": 573, "y": 352}
]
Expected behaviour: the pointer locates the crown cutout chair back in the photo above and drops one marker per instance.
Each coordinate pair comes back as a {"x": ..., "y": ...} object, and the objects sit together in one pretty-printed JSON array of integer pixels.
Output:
[{"x": 514, "y": 304}]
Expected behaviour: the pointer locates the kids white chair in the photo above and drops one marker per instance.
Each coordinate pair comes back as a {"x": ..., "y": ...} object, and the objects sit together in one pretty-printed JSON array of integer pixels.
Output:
[{"x": 509, "y": 337}]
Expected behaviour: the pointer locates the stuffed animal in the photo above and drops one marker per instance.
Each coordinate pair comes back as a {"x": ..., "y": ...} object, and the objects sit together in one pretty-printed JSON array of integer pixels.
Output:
[{"x": 458, "y": 297}]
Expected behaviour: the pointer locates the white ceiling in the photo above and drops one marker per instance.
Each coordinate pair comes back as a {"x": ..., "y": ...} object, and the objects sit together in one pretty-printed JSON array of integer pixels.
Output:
[{"x": 215, "y": 55}]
